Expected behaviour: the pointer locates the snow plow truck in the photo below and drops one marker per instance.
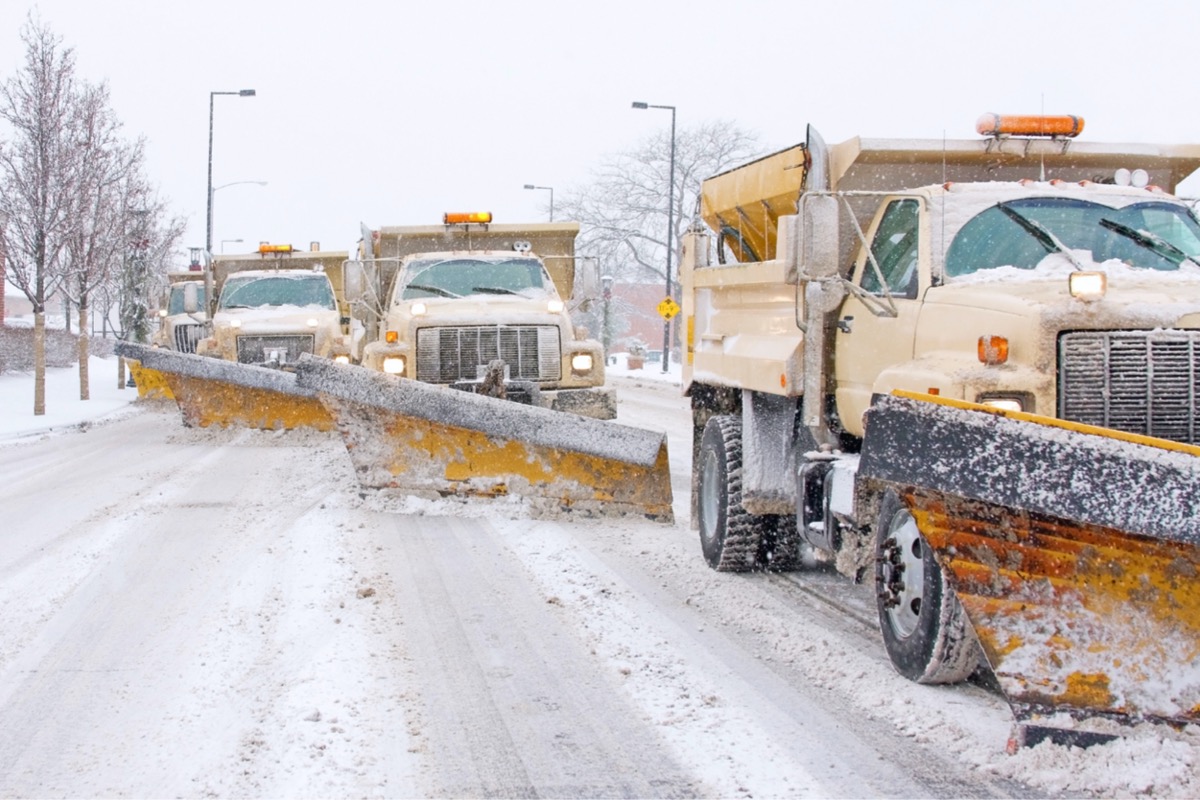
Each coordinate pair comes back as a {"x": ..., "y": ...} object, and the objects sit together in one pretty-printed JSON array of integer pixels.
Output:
[
  {"x": 445, "y": 303},
  {"x": 461, "y": 320},
  {"x": 965, "y": 371}
]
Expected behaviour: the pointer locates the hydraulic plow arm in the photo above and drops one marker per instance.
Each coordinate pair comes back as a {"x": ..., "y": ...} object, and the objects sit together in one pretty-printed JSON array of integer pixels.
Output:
[
  {"x": 1074, "y": 550},
  {"x": 211, "y": 391},
  {"x": 420, "y": 437}
]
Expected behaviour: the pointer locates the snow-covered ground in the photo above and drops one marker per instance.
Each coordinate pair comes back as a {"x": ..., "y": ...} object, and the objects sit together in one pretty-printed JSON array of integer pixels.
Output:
[{"x": 193, "y": 612}]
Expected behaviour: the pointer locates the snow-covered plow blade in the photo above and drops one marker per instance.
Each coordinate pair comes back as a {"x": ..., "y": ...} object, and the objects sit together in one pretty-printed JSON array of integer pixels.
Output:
[
  {"x": 1072, "y": 549},
  {"x": 211, "y": 391},
  {"x": 423, "y": 438}
]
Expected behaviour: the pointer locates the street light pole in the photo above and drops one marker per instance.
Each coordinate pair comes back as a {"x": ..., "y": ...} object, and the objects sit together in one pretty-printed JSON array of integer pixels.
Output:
[
  {"x": 211, "y": 97},
  {"x": 551, "y": 190},
  {"x": 235, "y": 241},
  {"x": 666, "y": 351}
]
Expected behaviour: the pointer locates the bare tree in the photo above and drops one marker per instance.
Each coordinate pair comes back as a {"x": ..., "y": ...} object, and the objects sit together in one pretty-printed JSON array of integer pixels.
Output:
[
  {"x": 109, "y": 181},
  {"x": 38, "y": 168},
  {"x": 623, "y": 211}
]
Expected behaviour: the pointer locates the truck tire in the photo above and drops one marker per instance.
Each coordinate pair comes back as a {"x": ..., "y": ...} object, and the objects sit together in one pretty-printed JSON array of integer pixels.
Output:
[
  {"x": 780, "y": 547},
  {"x": 925, "y": 631},
  {"x": 730, "y": 536}
]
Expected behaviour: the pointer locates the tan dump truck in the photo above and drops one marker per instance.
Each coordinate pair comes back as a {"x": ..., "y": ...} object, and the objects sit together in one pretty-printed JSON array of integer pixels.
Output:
[
  {"x": 443, "y": 304},
  {"x": 272, "y": 306},
  {"x": 1036, "y": 301}
]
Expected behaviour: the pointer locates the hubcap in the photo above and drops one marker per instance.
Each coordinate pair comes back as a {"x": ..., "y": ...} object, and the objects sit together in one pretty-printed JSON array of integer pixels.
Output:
[
  {"x": 904, "y": 574},
  {"x": 708, "y": 506}
]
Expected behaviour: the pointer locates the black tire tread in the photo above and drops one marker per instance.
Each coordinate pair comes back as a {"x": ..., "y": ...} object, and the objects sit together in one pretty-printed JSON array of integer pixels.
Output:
[{"x": 742, "y": 539}]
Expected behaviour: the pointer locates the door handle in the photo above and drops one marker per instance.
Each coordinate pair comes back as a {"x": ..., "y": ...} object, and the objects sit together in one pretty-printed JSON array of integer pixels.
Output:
[{"x": 845, "y": 324}]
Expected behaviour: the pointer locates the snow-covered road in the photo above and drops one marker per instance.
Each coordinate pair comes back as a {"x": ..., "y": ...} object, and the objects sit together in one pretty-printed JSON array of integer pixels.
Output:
[{"x": 222, "y": 613}]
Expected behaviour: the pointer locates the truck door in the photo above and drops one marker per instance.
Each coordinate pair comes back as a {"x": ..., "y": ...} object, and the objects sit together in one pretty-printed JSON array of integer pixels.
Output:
[{"x": 877, "y": 332}]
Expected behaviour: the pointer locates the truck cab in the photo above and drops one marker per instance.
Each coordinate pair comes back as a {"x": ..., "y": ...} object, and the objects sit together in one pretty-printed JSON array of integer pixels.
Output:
[
  {"x": 484, "y": 308},
  {"x": 272, "y": 309},
  {"x": 179, "y": 329}
]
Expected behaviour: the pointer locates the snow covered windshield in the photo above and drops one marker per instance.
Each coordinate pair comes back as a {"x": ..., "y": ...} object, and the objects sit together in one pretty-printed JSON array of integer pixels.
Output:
[
  {"x": 254, "y": 291},
  {"x": 1020, "y": 233},
  {"x": 460, "y": 277}
]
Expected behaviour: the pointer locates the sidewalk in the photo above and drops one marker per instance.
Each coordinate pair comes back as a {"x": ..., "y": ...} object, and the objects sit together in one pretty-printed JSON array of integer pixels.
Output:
[{"x": 64, "y": 409}]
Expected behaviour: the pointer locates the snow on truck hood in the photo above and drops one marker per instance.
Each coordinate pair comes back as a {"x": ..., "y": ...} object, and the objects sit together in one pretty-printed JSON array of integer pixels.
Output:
[
  {"x": 277, "y": 318},
  {"x": 1134, "y": 296}
]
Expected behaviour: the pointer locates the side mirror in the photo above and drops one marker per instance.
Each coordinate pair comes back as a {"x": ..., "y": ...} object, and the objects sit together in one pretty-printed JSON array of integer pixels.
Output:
[
  {"x": 191, "y": 298},
  {"x": 353, "y": 281},
  {"x": 818, "y": 245},
  {"x": 587, "y": 278}
]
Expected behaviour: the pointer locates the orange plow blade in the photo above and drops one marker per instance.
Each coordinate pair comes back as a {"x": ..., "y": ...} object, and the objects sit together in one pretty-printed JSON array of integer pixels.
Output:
[{"x": 1075, "y": 551}]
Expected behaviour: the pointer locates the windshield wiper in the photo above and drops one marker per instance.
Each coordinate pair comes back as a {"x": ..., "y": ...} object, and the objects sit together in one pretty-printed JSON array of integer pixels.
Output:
[
  {"x": 434, "y": 289},
  {"x": 1040, "y": 232},
  {"x": 492, "y": 290},
  {"x": 1151, "y": 241}
]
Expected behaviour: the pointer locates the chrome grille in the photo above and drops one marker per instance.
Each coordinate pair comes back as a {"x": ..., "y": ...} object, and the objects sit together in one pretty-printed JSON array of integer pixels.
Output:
[
  {"x": 253, "y": 349},
  {"x": 449, "y": 354},
  {"x": 186, "y": 336},
  {"x": 1143, "y": 382}
]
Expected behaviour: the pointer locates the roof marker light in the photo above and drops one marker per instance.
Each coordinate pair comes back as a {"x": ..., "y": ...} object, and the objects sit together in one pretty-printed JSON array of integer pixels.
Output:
[{"x": 1088, "y": 286}]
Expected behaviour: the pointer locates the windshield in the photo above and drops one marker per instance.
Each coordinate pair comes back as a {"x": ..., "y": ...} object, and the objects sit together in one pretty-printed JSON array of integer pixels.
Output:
[
  {"x": 1020, "y": 233},
  {"x": 175, "y": 303},
  {"x": 253, "y": 291},
  {"x": 461, "y": 277}
]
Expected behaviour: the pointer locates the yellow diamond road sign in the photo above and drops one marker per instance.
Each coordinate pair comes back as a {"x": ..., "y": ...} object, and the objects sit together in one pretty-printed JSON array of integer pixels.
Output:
[{"x": 668, "y": 308}]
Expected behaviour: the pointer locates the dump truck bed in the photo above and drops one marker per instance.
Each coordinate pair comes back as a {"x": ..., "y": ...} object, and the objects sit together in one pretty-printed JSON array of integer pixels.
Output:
[{"x": 746, "y": 202}]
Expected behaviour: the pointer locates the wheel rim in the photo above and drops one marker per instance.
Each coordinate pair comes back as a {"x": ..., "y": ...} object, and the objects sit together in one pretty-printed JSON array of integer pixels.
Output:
[
  {"x": 708, "y": 506},
  {"x": 904, "y": 577}
]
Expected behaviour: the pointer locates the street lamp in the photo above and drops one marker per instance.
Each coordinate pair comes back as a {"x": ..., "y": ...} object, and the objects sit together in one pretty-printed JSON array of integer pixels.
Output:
[
  {"x": 213, "y": 190},
  {"x": 211, "y": 97},
  {"x": 551, "y": 190},
  {"x": 235, "y": 241},
  {"x": 666, "y": 351}
]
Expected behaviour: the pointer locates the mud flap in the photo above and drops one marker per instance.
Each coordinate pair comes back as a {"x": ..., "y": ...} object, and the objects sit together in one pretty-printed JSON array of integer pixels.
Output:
[
  {"x": 210, "y": 391},
  {"x": 425, "y": 438},
  {"x": 1072, "y": 549}
]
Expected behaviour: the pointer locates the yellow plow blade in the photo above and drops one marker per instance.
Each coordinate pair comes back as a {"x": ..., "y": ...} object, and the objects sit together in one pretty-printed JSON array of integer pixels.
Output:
[
  {"x": 151, "y": 384},
  {"x": 210, "y": 391},
  {"x": 1074, "y": 551},
  {"x": 419, "y": 437}
]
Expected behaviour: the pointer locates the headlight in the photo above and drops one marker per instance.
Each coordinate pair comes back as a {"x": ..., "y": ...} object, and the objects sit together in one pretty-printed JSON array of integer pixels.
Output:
[
  {"x": 342, "y": 359},
  {"x": 417, "y": 309},
  {"x": 235, "y": 323},
  {"x": 312, "y": 322},
  {"x": 393, "y": 365},
  {"x": 555, "y": 306},
  {"x": 581, "y": 362},
  {"x": 1006, "y": 402}
]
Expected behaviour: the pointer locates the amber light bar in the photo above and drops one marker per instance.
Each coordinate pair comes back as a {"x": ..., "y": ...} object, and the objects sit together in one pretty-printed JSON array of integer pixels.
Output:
[
  {"x": 1029, "y": 125},
  {"x": 274, "y": 248},
  {"x": 480, "y": 217}
]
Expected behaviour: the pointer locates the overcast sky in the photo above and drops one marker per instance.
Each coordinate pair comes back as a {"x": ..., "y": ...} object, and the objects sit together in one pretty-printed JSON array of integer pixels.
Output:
[{"x": 391, "y": 113}]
